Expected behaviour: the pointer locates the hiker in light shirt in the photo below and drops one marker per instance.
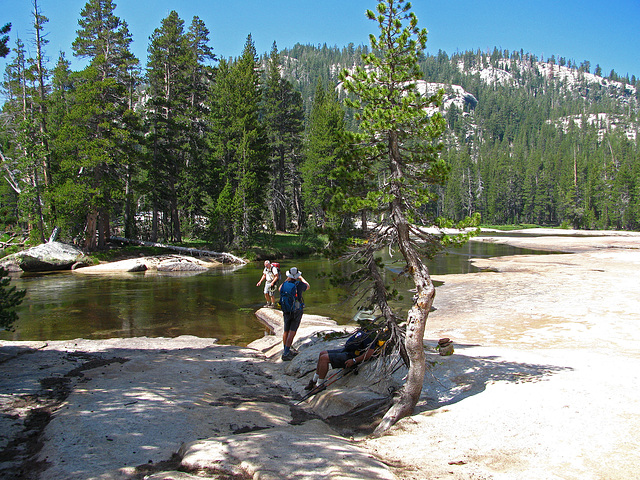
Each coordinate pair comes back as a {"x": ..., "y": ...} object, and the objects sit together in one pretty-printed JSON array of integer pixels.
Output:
[{"x": 270, "y": 276}]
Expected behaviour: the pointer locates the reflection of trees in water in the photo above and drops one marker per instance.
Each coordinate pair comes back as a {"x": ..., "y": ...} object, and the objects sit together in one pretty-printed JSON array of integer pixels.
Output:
[{"x": 219, "y": 304}]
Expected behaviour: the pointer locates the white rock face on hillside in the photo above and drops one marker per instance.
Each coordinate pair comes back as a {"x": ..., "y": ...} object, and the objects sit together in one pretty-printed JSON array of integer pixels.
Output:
[
  {"x": 569, "y": 81},
  {"x": 605, "y": 122},
  {"x": 453, "y": 95},
  {"x": 489, "y": 74},
  {"x": 503, "y": 74}
]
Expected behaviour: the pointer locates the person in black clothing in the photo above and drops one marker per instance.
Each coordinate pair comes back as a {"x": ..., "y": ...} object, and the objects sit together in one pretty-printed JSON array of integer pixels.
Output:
[{"x": 345, "y": 357}]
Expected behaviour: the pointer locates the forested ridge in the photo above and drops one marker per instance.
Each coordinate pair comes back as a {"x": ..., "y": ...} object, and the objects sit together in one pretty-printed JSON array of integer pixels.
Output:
[
  {"x": 191, "y": 146},
  {"x": 530, "y": 140}
]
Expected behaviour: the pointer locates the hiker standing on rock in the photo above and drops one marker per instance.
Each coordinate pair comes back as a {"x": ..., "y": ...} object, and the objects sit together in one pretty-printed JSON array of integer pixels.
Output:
[
  {"x": 270, "y": 275},
  {"x": 292, "y": 306}
]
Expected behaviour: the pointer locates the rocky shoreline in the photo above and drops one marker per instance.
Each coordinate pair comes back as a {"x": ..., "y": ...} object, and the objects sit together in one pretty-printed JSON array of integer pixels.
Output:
[{"x": 543, "y": 385}]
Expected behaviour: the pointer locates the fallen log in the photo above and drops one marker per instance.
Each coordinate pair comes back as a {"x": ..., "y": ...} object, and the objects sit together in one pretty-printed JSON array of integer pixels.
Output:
[
  {"x": 224, "y": 257},
  {"x": 10, "y": 242},
  {"x": 4, "y": 245}
]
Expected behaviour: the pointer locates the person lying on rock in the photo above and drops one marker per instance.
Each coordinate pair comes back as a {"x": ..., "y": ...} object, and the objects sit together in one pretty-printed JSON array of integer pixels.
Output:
[{"x": 358, "y": 348}]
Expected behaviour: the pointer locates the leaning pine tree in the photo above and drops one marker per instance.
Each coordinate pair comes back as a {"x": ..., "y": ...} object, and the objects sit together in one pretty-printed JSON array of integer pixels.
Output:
[{"x": 390, "y": 176}]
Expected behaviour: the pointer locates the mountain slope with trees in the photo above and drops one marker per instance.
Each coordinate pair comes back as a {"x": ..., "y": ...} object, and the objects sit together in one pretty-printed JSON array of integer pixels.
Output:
[
  {"x": 529, "y": 140},
  {"x": 191, "y": 147}
]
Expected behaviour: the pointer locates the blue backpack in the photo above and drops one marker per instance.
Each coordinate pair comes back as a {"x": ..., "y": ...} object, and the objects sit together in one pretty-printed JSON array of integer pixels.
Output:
[{"x": 289, "y": 301}]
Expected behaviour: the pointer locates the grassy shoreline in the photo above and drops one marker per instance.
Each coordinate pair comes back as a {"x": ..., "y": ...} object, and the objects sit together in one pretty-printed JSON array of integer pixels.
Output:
[
  {"x": 265, "y": 246},
  {"x": 280, "y": 245}
]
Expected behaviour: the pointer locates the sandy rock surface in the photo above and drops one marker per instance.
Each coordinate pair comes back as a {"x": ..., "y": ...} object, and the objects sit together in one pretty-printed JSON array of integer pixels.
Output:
[
  {"x": 125, "y": 408},
  {"x": 545, "y": 380},
  {"x": 543, "y": 384}
]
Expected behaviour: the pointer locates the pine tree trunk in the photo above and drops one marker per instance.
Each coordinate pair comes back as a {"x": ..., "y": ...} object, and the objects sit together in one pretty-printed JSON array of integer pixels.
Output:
[
  {"x": 175, "y": 218},
  {"x": 129, "y": 219},
  {"x": 90, "y": 234},
  {"x": 404, "y": 404},
  {"x": 297, "y": 205},
  {"x": 281, "y": 196},
  {"x": 104, "y": 228},
  {"x": 38, "y": 205},
  {"x": 46, "y": 164}
]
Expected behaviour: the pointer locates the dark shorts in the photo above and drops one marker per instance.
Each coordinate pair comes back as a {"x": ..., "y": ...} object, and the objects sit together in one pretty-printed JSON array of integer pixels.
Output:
[
  {"x": 337, "y": 358},
  {"x": 292, "y": 321}
]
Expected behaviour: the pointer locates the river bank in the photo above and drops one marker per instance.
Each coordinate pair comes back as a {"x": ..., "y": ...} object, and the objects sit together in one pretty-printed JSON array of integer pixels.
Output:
[{"x": 543, "y": 385}]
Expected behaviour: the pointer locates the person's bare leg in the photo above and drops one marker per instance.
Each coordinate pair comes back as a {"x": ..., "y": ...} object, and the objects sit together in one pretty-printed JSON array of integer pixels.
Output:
[
  {"x": 321, "y": 371},
  {"x": 288, "y": 338},
  {"x": 323, "y": 366}
]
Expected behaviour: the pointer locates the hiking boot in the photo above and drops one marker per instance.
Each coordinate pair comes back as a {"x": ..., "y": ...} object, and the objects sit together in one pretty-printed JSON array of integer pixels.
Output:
[
  {"x": 311, "y": 385},
  {"x": 266, "y": 305},
  {"x": 288, "y": 357},
  {"x": 318, "y": 389}
]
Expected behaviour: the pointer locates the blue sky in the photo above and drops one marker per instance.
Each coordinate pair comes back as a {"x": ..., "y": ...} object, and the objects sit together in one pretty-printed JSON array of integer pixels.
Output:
[{"x": 604, "y": 33}]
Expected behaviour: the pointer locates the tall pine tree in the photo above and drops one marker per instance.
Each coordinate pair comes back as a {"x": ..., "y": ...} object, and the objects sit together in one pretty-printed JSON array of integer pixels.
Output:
[
  {"x": 324, "y": 143},
  {"x": 96, "y": 137},
  {"x": 398, "y": 147},
  {"x": 193, "y": 184},
  {"x": 169, "y": 96},
  {"x": 239, "y": 151},
  {"x": 28, "y": 160},
  {"x": 283, "y": 118}
]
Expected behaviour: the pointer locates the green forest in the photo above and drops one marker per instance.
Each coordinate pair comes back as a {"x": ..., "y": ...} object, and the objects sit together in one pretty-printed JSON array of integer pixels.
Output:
[{"x": 190, "y": 146}]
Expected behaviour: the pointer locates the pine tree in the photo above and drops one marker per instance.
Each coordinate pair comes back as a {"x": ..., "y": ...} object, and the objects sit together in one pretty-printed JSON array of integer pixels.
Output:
[
  {"x": 323, "y": 144},
  {"x": 397, "y": 147},
  {"x": 239, "y": 151},
  {"x": 97, "y": 136},
  {"x": 41, "y": 100},
  {"x": 252, "y": 149},
  {"x": 283, "y": 118},
  {"x": 169, "y": 92},
  {"x": 67, "y": 197},
  {"x": 26, "y": 161},
  {"x": 193, "y": 183}
]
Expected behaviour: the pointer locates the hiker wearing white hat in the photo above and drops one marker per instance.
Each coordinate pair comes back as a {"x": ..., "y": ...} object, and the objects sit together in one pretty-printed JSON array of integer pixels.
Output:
[
  {"x": 294, "y": 273},
  {"x": 292, "y": 306}
]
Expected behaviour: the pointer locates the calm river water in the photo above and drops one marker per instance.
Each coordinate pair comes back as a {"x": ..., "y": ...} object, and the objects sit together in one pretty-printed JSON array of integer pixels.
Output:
[{"x": 219, "y": 304}]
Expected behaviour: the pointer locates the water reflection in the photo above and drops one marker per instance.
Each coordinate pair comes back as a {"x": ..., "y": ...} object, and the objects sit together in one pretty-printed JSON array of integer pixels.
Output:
[{"x": 219, "y": 304}]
